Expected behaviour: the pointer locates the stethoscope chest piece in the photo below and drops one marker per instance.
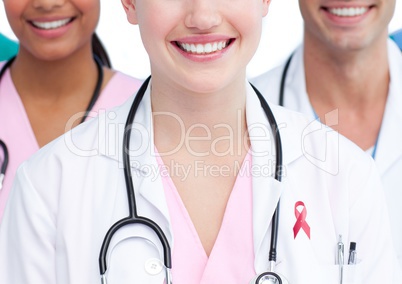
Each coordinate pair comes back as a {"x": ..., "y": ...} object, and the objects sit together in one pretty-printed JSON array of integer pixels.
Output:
[{"x": 269, "y": 278}]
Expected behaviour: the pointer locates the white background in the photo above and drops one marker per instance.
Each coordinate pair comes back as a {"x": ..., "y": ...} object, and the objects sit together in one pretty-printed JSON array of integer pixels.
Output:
[{"x": 282, "y": 31}]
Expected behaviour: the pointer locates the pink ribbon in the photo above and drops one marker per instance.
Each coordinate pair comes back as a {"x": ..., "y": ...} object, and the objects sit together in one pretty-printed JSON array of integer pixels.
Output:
[{"x": 301, "y": 220}]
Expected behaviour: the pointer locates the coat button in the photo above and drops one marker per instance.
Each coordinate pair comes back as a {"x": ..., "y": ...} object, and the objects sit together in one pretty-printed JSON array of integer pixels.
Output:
[{"x": 153, "y": 266}]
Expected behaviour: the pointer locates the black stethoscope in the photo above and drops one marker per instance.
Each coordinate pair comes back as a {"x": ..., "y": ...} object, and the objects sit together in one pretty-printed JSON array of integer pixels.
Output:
[
  {"x": 94, "y": 98},
  {"x": 133, "y": 218},
  {"x": 283, "y": 81}
]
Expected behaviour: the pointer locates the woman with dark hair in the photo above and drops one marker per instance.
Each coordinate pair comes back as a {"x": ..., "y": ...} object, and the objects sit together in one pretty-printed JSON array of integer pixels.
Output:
[{"x": 60, "y": 76}]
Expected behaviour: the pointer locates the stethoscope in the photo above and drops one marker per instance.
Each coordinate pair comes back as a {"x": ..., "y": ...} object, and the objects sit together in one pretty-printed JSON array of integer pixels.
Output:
[
  {"x": 269, "y": 277},
  {"x": 94, "y": 98}
]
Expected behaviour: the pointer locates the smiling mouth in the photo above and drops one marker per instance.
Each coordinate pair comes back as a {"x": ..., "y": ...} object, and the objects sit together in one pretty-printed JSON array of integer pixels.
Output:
[
  {"x": 205, "y": 48},
  {"x": 348, "y": 11},
  {"x": 52, "y": 24}
]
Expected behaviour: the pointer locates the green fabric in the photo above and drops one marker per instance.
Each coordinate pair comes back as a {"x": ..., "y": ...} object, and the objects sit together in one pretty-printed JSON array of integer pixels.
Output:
[{"x": 8, "y": 48}]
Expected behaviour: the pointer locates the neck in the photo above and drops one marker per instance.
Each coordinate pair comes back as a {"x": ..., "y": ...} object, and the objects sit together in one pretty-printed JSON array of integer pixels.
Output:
[
  {"x": 51, "y": 80},
  {"x": 346, "y": 77},
  {"x": 353, "y": 83},
  {"x": 203, "y": 118}
]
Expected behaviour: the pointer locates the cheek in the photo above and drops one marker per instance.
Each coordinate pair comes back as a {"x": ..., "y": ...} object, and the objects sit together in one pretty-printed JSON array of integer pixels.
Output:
[
  {"x": 155, "y": 26},
  {"x": 152, "y": 36},
  {"x": 14, "y": 11},
  {"x": 88, "y": 8},
  {"x": 250, "y": 25},
  {"x": 90, "y": 11},
  {"x": 86, "y": 4}
]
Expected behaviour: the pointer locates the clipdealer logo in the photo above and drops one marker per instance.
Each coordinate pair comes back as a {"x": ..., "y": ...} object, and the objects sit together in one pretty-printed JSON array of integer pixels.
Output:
[
  {"x": 324, "y": 155},
  {"x": 201, "y": 168},
  {"x": 110, "y": 134}
]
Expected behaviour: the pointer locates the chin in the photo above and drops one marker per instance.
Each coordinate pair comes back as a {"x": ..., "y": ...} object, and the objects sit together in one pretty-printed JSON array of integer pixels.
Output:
[{"x": 202, "y": 82}]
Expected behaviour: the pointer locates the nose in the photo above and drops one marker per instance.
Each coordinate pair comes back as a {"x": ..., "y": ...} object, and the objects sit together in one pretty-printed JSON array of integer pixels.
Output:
[
  {"x": 203, "y": 14},
  {"x": 47, "y": 4}
]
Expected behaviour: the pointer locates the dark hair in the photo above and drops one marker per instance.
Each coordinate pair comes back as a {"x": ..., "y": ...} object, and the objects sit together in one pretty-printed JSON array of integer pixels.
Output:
[{"x": 99, "y": 51}]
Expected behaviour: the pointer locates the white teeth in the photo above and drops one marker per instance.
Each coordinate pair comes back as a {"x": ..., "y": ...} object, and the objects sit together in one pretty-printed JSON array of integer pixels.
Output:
[
  {"x": 51, "y": 25},
  {"x": 203, "y": 48},
  {"x": 348, "y": 12}
]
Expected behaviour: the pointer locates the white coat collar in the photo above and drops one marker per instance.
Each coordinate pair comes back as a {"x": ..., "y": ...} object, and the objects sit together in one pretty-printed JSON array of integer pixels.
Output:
[
  {"x": 390, "y": 139},
  {"x": 295, "y": 96}
]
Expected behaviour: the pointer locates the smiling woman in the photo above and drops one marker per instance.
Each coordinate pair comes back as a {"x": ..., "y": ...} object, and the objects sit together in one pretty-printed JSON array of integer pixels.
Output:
[{"x": 61, "y": 70}]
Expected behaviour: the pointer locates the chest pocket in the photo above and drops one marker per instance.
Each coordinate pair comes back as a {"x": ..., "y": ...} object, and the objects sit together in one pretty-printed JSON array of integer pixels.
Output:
[{"x": 332, "y": 274}]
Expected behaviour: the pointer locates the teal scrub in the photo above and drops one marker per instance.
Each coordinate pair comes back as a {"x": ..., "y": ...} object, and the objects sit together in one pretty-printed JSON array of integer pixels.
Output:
[
  {"x": 8, "y": 48},
  {"x": 397, "y": 37}
]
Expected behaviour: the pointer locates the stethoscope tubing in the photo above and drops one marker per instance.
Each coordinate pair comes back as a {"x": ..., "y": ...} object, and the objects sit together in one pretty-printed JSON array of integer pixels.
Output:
[
  {"x": 278, "y": 175},
  {"x": 133, "y": 217},
  {"x": 283, "y": 81},
  {"x": 4, "y": 165}
]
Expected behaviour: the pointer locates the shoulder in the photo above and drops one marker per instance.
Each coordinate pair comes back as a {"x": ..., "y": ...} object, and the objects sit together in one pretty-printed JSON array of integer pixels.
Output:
[
  {"x": 268, "y": 83},
  {"x": 119, "y": 87},
  {"x": 122, "y": 80},
  {"x": 119, "y": 81},
  {"x": 95, "y": 142}
]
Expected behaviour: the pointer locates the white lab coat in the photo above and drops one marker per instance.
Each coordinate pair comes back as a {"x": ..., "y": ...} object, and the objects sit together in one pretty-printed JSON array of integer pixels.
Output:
[
  {"x": 388, "y": 157},
  {"x": 63, "y": 202}
]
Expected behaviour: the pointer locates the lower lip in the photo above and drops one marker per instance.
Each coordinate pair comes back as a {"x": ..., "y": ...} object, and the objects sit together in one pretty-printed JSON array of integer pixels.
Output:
[
  {"x": 52, "y": 33},
  {"x": 346, "y": 21},
  {"x": 208, "y": 57}
]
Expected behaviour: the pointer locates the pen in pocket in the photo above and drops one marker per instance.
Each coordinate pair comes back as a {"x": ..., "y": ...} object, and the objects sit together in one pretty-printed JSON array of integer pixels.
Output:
[
  {"x": 352, "y": 254},
  {"x": 340, "y": 258}
]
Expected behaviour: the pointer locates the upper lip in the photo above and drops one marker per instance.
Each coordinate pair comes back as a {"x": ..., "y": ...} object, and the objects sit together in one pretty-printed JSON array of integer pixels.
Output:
[
  {"x": 49, "y": 19},
  {"x": 343, "y": 4},
  {"x": 202, "y": 38}
]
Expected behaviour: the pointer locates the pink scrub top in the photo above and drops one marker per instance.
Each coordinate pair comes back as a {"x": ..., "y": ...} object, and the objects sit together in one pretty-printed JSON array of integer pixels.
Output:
[
  {"x": 16, "y": 131},
  {"x": 232, "y": 257}
]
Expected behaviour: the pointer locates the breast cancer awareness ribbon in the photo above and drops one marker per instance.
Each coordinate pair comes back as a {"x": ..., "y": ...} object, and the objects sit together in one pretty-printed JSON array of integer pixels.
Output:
[{"x": 301, "y": 220}]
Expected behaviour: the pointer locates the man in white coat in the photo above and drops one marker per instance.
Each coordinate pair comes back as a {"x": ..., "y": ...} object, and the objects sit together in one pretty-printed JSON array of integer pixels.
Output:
[{"x": 348, "y": 73}]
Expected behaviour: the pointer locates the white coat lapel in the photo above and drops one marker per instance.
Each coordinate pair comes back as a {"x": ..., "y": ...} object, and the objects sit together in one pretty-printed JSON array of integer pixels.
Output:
[
  {"x": 266, "y": 190},
  {"x": 390, "y": 140},
  {"x": 145, "y": 169}
]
